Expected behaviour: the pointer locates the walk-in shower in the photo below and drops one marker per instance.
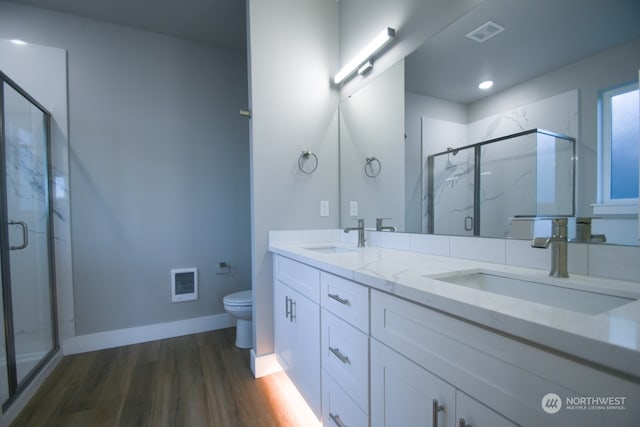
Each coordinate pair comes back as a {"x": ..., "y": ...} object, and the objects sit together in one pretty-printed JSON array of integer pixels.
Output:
[{"x": 29, "y": 329}]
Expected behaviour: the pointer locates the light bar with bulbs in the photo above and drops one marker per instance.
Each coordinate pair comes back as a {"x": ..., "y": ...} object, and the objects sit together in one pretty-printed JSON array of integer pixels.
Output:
[{"x": 365, "y": 54}]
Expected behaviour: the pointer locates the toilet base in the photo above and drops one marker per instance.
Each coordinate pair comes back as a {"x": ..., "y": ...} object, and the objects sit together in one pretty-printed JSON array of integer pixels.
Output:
[{"x": 244, "y": 334}]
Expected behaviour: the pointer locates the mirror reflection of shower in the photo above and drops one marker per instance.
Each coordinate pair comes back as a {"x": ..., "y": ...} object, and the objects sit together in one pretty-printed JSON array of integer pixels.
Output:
[{"x": 484, "y": 188}]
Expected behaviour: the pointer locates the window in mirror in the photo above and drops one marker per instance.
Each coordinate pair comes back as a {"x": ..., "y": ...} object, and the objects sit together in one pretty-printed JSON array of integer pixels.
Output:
[{"x": 620, "y": 146}]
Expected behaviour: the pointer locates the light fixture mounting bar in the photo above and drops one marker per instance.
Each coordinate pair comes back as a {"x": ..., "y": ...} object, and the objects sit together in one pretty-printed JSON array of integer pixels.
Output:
[{"x": 369, "y": 50}]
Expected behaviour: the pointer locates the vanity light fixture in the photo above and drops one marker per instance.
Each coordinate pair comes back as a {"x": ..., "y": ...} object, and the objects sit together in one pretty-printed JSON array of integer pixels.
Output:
[
  {"x": 485, "y": 84},
  {"x": 365, "y": 68},
  {"x": 365, "y": 55},
  {"x": 18, "y": 41}
]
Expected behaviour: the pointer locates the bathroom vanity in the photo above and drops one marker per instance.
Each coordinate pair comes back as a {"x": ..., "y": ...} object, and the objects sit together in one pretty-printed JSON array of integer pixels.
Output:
[{"x": 382, "y": 337}]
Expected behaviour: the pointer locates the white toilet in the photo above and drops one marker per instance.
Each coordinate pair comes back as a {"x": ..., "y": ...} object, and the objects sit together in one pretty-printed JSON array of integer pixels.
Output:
[{"x": 240, "y": 306}]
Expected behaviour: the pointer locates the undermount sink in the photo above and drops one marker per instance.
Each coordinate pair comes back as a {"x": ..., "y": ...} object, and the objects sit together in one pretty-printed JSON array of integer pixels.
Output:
[
  {"x": 528, "y": 289},
  {"x": 330, "y": 249}
]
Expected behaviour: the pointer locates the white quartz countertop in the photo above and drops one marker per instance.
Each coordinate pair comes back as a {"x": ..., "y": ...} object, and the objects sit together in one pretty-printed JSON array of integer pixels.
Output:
[{"x": 610, "y": 338}]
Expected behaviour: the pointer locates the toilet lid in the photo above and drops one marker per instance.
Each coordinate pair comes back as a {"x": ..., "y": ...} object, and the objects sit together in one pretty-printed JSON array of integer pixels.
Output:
[{"x": 241, "y": 298}]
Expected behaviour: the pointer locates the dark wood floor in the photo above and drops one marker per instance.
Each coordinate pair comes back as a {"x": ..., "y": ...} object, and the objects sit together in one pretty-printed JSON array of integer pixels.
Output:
[{"x": 195, "y": 380}]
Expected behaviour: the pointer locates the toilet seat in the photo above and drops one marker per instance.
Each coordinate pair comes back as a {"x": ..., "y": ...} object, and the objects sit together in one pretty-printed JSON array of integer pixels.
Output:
[{"x": 239, "y": 300}]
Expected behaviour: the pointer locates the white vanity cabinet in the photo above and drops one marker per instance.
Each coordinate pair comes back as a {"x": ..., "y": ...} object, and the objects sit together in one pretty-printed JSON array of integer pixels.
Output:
[
  {"x": 361, "y": 356},
  {"x": 344, "y": 352},
  {"x": 491, "y": 379},
  {"x": 297, "y": 326}
]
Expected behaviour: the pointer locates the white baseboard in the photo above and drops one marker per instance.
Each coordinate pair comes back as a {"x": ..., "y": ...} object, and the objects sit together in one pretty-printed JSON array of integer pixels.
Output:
[
  {"x": 264, "y": 365},
  {"x": 158, "y": 331}
]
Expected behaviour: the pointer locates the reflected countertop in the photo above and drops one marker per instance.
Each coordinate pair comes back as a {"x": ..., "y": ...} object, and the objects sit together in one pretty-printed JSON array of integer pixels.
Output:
[{"x": 610, "y": 338}]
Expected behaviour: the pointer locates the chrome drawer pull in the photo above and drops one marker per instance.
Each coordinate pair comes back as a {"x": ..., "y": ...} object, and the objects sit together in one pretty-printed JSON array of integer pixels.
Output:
[
  {"x": 336, "y": 351},
  {"x": 436, "y": 408},
  {"x": 336, "y": 419},
  {"x": 340, "y": 300},
  {"x": 287, "y": 307},
  {"x": 292, "y": 314}
]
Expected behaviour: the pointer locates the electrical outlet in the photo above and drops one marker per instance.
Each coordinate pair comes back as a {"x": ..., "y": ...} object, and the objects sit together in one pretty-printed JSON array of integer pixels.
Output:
[
  {"x": 324, "y": 208},
  {"x": 353, "y": 208}
]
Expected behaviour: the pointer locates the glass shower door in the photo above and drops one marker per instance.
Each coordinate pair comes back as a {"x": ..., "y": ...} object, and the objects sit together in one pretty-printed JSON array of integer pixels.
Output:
[{"x": 26, "y": 253}]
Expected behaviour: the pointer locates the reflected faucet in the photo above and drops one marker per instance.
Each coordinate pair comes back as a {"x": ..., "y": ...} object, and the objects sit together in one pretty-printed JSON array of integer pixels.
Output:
[
  {"x": 380, "y": 227},
  {"x": 360, "y": 229},
  {"x": 558, "y": 243}
]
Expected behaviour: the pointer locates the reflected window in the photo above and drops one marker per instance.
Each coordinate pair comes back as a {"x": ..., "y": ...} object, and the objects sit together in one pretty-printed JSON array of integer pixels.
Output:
[{"x": 620, "y": 145}]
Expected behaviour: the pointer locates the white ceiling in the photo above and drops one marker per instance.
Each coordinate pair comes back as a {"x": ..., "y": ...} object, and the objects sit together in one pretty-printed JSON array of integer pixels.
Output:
[
  {"x": 219, "y": 23},
  {"x": 540, "y": 36}
]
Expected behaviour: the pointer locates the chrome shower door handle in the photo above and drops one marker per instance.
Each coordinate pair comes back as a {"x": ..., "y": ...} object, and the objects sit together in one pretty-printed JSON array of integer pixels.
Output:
[
  {"x": 25, "y": 235},
  {"x": 468, "y": 223}
]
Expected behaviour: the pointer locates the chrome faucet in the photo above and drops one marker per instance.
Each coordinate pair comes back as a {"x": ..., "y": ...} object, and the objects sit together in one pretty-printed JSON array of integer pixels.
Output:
[
  {"x": 380, "y": 227},
  {"x": 360, "y": 229},
  {"x": 558, "y": 243}
]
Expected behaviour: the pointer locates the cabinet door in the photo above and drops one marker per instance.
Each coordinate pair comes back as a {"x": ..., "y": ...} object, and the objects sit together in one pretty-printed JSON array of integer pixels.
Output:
[
  {"x": 297, "y": 341},
  {"x": 403, "y": 393},
  {"x": 475, "y": 414}
]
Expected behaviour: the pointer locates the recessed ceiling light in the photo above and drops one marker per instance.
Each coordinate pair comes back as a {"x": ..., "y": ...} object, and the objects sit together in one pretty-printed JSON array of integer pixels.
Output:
[{"x": 485, "y": 84}]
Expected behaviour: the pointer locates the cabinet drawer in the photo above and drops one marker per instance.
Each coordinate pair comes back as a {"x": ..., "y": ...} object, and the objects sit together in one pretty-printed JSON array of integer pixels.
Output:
[
  {"x": 298, "y": 276},
  {"x": 346, "y": 299},
  {"x": 345, "y": 357},
  {"x": 338, "y": 409}
]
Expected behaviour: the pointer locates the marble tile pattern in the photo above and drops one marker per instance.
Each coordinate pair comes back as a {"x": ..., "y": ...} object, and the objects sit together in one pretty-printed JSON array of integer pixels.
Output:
[{"x": 412, "y": 268}]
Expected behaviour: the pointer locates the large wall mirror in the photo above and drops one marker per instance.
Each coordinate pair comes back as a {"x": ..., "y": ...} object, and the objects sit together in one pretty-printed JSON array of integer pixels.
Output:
[{"x": 549, "y": 62}]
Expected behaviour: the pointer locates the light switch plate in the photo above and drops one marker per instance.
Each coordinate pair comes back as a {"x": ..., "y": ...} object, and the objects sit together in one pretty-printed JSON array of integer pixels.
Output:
[
  {"x": 324, "y": 208},
  {"x": 353, "y": 208}
]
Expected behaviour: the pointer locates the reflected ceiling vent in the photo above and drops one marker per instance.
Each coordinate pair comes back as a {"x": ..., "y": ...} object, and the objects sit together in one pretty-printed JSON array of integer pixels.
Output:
[{"x": 485, "y": 32}]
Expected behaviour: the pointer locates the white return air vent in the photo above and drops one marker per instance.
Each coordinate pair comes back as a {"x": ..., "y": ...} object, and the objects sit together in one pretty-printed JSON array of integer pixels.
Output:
[{"x": 485, "y": 32}]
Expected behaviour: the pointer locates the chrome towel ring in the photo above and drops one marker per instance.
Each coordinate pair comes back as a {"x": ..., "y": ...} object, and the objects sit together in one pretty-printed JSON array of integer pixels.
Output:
[
  {"x": 372, "y": 167},
  {"x": 307, "y": 156}
]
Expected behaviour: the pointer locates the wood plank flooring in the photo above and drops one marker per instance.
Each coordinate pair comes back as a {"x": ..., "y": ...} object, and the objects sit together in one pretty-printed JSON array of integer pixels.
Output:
[{"x": 195, "y": 380}]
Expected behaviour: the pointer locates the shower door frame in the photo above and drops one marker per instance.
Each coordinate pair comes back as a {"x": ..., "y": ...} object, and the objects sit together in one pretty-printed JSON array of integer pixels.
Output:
[{"x": 16, "y": 388}]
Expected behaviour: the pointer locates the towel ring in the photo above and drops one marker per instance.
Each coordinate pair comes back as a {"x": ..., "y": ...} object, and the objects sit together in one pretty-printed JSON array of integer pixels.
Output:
[
  {"x": 305, "y": 156},
  {"x": 371, "y": 170}
]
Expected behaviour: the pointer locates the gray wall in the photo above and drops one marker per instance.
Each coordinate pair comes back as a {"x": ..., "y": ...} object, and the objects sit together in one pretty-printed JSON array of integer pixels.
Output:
[
  {"x": 293, "y": 49},
  {"x": 159, "y": 165}
]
